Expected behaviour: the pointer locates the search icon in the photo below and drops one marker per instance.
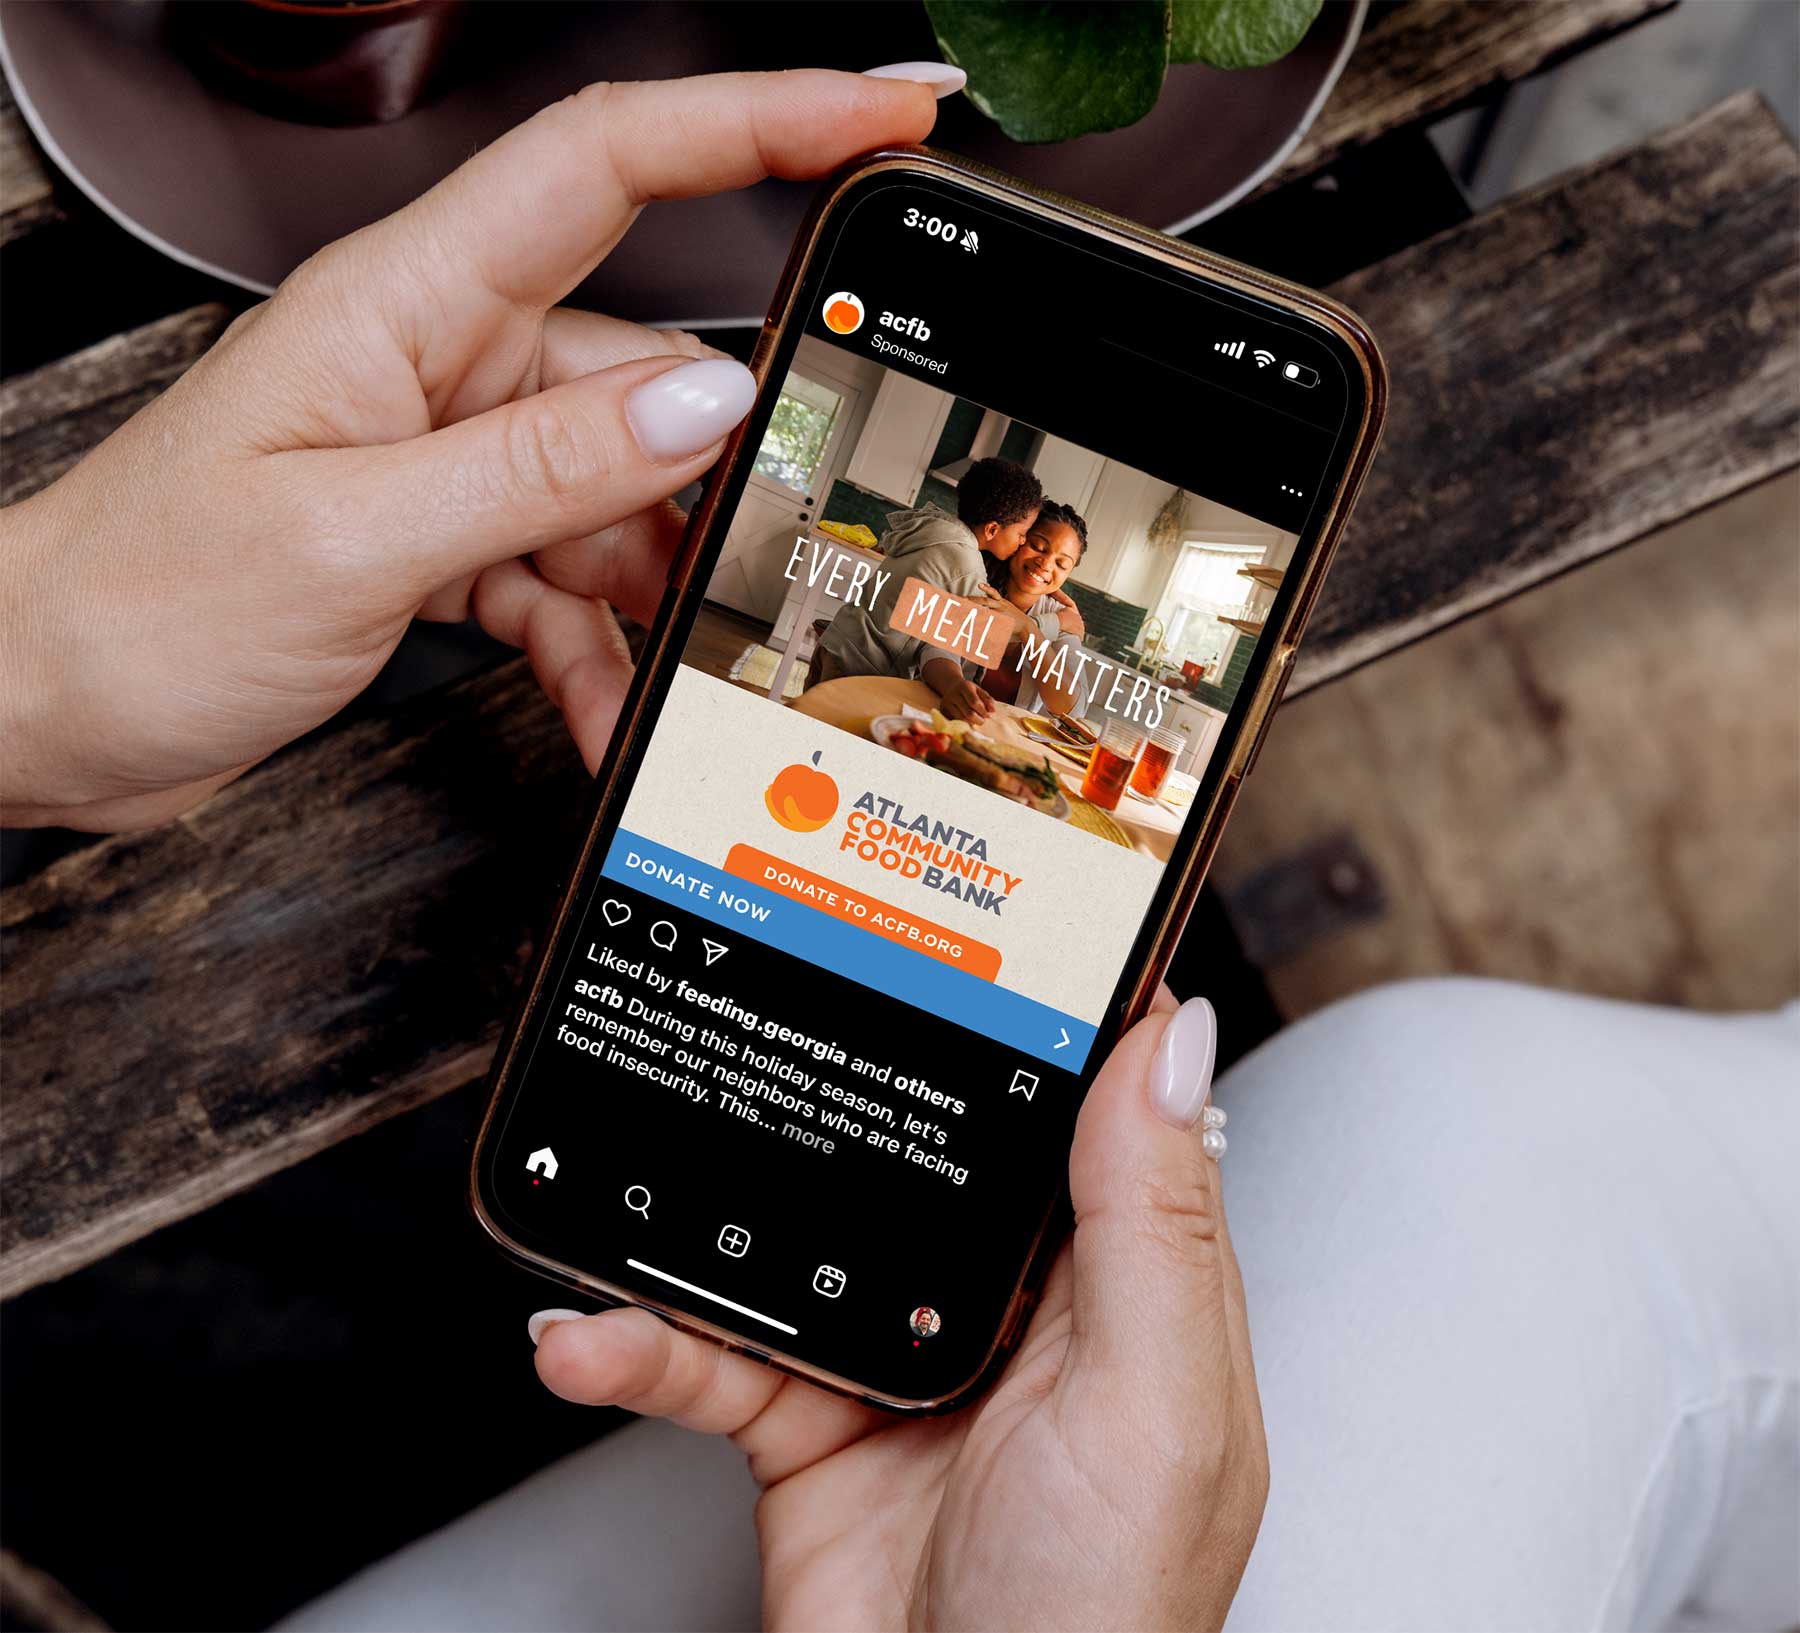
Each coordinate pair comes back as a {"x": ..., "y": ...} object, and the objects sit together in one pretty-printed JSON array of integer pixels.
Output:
[{"x": 637, "y": 1198}]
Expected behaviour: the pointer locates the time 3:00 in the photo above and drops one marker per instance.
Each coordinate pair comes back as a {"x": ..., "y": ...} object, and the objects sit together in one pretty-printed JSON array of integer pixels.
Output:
[{"x": 935, "y": 225}]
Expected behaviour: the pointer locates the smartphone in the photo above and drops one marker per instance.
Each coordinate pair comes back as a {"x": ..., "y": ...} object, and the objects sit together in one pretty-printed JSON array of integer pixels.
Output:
[{"x": 799, "y": 1062}]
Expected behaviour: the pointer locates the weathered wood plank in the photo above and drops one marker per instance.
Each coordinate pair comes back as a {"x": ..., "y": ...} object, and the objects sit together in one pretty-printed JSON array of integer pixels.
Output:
[
  {"x": 52, "y": 416},
  {"x": 1572, "y": 371},
  {"x": 1421, "y": 59},
  {"x": 333, "y": 939},
  {"x": 27, "y": 192}
]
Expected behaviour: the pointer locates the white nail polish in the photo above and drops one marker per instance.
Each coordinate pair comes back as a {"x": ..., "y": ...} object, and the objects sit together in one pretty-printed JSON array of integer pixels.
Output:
[
  {"x": 687, "y": 410},
  {"x": 943, "y": 79},
  {"x": 541, "y": 1323},
  {"x": 1181, "y": 1074}
]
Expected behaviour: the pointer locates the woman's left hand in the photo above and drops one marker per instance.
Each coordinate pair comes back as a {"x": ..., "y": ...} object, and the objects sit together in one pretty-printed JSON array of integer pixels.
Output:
[
  {"x": 1068, "y": 615},
  {"x": 1115, "y": 1475},
  {"x": 410, "y": 427}
]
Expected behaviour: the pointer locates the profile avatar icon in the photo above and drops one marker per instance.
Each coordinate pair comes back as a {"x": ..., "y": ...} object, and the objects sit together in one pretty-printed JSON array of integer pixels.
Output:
[
  {"x": 802, "y": 798},
  {"x": 924, "y": 1321},
  {"x": 843, "y": 313}
]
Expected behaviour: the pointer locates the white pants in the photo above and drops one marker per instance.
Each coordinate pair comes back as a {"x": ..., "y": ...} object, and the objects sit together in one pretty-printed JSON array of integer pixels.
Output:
[{"x": 1524, "y": 1283}]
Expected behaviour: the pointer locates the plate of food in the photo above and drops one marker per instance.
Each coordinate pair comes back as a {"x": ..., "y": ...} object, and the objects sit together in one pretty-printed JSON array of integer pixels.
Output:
[{"x": 954, "y": 746}]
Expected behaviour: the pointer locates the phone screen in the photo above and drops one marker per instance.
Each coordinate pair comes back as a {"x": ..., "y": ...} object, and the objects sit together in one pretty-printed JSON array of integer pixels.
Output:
[{"x": 966, "y": 657}]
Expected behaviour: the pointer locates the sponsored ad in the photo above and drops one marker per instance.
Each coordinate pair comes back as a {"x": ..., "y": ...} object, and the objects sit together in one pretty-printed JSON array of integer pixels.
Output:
[{"x": 964, "y": 664}]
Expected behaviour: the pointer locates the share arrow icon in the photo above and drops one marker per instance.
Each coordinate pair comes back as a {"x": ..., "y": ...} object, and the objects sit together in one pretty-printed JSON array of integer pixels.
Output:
[{"x": 715, "y": 950}]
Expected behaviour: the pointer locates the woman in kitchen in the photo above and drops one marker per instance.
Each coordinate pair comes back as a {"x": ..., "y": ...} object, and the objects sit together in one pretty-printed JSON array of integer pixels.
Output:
[{"x": 1031, "y": 581}]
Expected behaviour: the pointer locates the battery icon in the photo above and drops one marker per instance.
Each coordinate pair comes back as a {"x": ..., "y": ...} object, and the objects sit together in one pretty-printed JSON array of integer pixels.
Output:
[{"x": 1300, "y": 374}]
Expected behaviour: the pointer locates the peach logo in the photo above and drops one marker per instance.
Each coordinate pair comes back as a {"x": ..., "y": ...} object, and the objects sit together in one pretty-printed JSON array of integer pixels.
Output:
[
  {"x": 802, "y": 798},
  {"x": 843, "y": 313}
]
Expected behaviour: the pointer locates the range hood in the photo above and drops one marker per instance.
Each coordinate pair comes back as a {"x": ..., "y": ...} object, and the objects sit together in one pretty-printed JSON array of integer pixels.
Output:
[{"x": 951, "y": 475}]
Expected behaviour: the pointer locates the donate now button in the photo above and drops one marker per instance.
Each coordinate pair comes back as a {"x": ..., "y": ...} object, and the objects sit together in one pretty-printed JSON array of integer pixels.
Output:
[{"x": 869, "y": 913}]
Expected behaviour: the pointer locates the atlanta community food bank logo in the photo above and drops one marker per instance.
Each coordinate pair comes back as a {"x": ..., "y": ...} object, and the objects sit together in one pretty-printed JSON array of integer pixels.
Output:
[
  {"x": 843, "y": 313},
  {"x": 802, "y": 798}
]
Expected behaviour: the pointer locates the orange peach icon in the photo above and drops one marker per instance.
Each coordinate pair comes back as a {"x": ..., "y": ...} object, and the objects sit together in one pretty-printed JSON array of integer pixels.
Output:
[
  {"x": 802, "y": 798},
  {"x": 843, "y": 313}
]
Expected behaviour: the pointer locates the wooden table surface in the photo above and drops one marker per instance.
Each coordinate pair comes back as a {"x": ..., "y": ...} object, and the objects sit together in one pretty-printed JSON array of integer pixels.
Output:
[
  {"x": 335, "y": 938},
  {"x": 854, "y": 701}
]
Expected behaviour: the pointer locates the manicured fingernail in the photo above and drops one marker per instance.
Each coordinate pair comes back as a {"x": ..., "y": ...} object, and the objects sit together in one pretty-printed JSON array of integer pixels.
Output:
[
  {"x": 1181, "y": 1074},
  {"x": 541, "y": 1323},
  {"x": 940, "y": 76},
  {"x": 687, "y": 410}
]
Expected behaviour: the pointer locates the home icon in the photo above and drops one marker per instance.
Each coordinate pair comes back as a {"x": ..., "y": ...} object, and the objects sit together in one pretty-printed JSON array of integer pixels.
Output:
[{"x": 543, "y": 1161}]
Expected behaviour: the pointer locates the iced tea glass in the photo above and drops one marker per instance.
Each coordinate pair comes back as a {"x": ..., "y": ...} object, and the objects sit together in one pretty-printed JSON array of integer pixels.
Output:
[
  {"x": 1153, "y": 765},
  {"x": 1110, "y": 768}
]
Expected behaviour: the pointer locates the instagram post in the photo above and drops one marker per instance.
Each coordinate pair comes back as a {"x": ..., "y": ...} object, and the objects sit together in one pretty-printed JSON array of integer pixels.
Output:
[{"x": 969, "y": 675}]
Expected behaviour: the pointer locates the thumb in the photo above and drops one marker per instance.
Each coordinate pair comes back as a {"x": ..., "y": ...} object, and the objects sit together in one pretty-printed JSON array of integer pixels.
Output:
[
  {"x": 558, "y": 464},
  {"x": 1158, "y": 1305}
]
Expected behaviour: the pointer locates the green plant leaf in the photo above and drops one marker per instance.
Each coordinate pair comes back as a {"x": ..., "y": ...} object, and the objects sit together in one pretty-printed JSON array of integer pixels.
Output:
[
  {"x": 1047, "y": 71},
  {"x": 1238, "y": 33}
]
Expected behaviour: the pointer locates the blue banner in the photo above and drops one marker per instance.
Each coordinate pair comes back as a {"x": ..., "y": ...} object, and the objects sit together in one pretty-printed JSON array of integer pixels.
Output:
[{"x": 858, "y": 955}]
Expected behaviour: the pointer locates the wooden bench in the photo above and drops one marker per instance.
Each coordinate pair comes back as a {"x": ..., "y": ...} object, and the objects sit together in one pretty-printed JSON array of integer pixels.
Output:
[{"x": 333, "y": 939}]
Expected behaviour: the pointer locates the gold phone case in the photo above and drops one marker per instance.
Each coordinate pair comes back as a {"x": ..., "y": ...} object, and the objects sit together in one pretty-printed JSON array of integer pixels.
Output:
[{"x": 1240, "y": 752}]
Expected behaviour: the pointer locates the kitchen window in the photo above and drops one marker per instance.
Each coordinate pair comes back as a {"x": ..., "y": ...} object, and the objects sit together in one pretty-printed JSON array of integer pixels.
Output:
[
  {"x": 799, "y": 433},
  {"x": 1203, "y": 588}
]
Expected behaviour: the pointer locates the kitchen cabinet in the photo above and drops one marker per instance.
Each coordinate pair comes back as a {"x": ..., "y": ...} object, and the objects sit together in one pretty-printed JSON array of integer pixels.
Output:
[
  {"x": 1201, "y": 726},
  {"x": 898, "y": 438},
  {"x": 1069, "y": 474}
]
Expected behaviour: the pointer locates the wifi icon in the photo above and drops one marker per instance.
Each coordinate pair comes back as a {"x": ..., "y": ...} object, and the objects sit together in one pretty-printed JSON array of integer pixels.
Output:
[{"x": 1263, "y": 358}]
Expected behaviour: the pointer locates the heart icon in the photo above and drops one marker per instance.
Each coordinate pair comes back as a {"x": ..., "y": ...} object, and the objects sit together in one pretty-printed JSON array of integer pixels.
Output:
[{"x": 615, "y": 913}]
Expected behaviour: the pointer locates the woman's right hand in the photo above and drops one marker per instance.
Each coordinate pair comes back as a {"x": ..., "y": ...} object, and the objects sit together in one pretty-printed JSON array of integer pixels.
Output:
[{"x": 1115, "y": 1475}]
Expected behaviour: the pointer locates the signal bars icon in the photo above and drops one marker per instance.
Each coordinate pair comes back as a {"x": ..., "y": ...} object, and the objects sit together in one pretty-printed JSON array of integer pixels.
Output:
[{"x": 1235, "y": 348}]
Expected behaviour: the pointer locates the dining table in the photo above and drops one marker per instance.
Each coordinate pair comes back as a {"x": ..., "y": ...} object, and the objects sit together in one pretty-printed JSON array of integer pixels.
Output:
[{"x": 855, "y": 702}]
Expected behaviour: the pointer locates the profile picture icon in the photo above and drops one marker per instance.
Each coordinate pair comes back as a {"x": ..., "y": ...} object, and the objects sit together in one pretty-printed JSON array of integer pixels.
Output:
[
  {"x": 924, "y": 1321},
  {"x": 843, "y": 313}
]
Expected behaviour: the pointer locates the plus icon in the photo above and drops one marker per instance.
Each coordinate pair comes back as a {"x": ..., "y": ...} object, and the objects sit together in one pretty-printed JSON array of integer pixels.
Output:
[{"x": 734, "y": 1241}]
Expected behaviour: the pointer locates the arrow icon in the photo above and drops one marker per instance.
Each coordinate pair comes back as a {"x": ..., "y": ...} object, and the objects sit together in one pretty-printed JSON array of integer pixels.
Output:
[
  {"x": 1063, "y": 1041},
  {"x": 715, "y": 950},
  {"x": 544, "y": 1159}
]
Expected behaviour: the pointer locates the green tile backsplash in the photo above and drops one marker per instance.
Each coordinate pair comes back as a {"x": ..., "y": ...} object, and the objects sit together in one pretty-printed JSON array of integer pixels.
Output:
[
  {"x": 1108, "y": 619},
  {"x": 1223, "y": 695}
]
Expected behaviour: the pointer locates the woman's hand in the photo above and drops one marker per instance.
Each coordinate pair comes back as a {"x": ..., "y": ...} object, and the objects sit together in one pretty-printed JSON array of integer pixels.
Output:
[
  {"x": 410, "y": 427},
  {"x": 1113, "y": 1478},
  {"x": 962, "y": 699}
]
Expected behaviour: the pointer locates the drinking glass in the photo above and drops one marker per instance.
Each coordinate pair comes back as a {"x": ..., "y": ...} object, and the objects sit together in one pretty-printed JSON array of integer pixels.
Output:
[
  {"x": 1110, "y": 767},
  {"x": 1153, "y": 765}
]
